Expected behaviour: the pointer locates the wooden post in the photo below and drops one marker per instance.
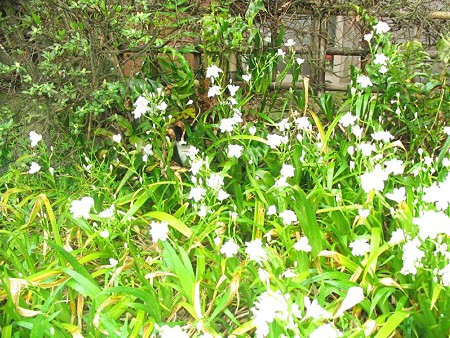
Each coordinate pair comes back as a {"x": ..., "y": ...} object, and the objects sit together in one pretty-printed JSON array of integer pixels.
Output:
[
  {"x": 318, "y": 50},
  {"x": 323, "y": 41}
]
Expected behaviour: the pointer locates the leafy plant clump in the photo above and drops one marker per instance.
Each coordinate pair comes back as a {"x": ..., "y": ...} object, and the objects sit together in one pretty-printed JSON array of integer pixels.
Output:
[{"x": 316, "y": 224}]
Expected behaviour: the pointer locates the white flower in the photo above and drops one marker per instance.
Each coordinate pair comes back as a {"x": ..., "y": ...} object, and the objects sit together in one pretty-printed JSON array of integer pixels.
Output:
[
  {"x": 360, "y": 247},
  {"x": 381, "y": 27},
  {"x": 222, "y": 195},
  {"x": 289, "y": 273},
  {"x": 394, "y": 166},
  {"x": 281, "y": 182},
  {"x": 34, "y": 138},
  {"x": 314, "y": 310},
  {"x": 232, "y": 101},
  {"x": 438, "y": 194},
  {"x": 197, "y": 194},
  {"x": 380, "y": 59},
  {"x": 270, "y": 306},
  {"x": 203, "y": 211},
  {"x": 364, "y": 81},
  {"x": 289, "y": 43},
  {"x": 412, "y": 256},
  {"x": 192, "y": 152},
  {"x": 252, "y": 130},
  {"x": 255, "y": 251},
  {"x": 299, "y": 61},
  {"x": 303, "y": 245},
  {"x": 398, "y": 195},
  {"x": 166, "y": 331},
  {"x": 196, "y": 165},
  {"x": 368, "y": 37},
  {"x": 233, "y": 215},
  {"x": 374, "y": 180},
  {"x": 366, "y": 148},
  {"x": 34, "y": 168},
  {"x": 283, "y": 125},
  {"x": 107, "y": 213},
  {"x": 287, "y": 170},
  {"x": 237, "y": 117},
  {"x": 141, "y": 107},
  {"x": 272, "y": 210},
  {"x": 159, "y": 231},
  {"x": 326, "y": 331},
  {"x": 384, "y": 136},
  {"x": 303, "y": 123},
  {"x": 148, "y": 151},
  {"x": 213, "y": 71},
  {"x": 206, "y": 335},
  {"x": 351, "y": 165},
  {"x": 264, "y": 276},
  {"x": 447, "y": 130},
  {"x": 351, "y": 150},
  {"x": 288, "y": 217},
  {"x": 234, "y": 150},
  {"x": 229, "y": 248},
  {"x": 397, "y": 236},
  {"x": 383, "y": 70},
  {"x": 355, "y": 295},
  {"x": 104, "y": 233},
  {"x": 113, "y": 262},
  {"x": 281, "y": 52},
  {"x": 214, "y": 90},
  {"x": 246, "y": 77},
  {"x": 117, "y": 138},
  {"x": 363, "y": 213},
  {"x": 162, "y": 106},
  {"x": 215, "y": 181},
  {"x": 431, "y": 223},
  {"x": 357, "y": 131},
  {"x": 226, "y": 125},
  {"x": 233, "y": 89},
  {"x": 275, "y": 140},
  {"x": 445, "y": 275},
  {"x": 347, "y": 120},
  {"x": 82, "y": 207}
]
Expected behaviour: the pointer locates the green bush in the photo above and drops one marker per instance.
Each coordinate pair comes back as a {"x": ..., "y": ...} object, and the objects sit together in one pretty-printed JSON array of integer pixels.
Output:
[{"x": 285, "y": 221}]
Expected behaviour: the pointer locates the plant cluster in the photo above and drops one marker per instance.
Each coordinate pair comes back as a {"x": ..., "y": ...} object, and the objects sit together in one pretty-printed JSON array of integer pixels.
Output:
[{"x": 286, "y": 220}]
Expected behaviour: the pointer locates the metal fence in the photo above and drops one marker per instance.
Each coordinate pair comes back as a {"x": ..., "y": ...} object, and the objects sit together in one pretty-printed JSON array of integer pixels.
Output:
[{"x": 329, "y": 35}]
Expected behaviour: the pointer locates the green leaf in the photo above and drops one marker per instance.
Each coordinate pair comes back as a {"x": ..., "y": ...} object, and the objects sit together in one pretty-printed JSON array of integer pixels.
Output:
[
  {"x": 444, "y": 150},
  {"x": 222, "y": 303},
  {"x": 375, "y": 252},
  {"x": 307, "y": 218},
  {"x": 138, "y": 324},
  {"x": 38, "y": 327},
  {"x": 83, "y": 285},
  {"x": 182, "y": 268},
  {"x": 88, "y": 285},
  {"x": 144, "y": 294},
  {"x": 391, "y": 324},
  {"x": 443, "y": 48},
  {"x": 143, "y": 197}
]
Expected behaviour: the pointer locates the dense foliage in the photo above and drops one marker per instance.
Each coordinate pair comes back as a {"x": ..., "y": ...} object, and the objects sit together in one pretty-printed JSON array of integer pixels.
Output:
[{"x": 293, "y": 215}]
